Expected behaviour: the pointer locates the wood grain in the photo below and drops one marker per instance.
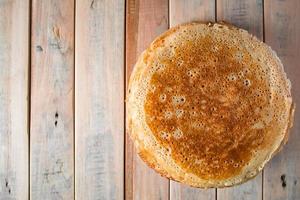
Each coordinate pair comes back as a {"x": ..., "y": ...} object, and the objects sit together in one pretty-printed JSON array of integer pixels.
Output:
[
  {"x": 14, "y": 67},
  {"x": 99, "y": 99},
  {"x": 246, "y": 14},
  {"x": 52, "y": 91},
  {"x": 192, "y": 10},
  {"x": 179, "y": 191},
  {"x": 144, "y": 21},
  {"x": 247, "y": 191},
  {"x": 282, "y": 30},
  {"x": 184, "y": 12},
  {"x": 97, "y": 112}
]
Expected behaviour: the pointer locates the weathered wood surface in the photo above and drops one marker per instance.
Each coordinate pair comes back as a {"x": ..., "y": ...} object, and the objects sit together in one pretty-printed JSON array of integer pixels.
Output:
[
  {"x": 14, "y": 65},
  {"x": 144, "y": 21},
  {"x": 99, "y": 97},
  {"x": 184, "y": 12},
  {"x": 247, "y": 191},
  {"x": 246, "y": 14},
  {"x": 282, "y": 31},
  {"x": 52, "y": 91},
  {"x": 75, "y": 111},
  {"x": 179, "y": 191},
  {"x": 190, "y": 11}
]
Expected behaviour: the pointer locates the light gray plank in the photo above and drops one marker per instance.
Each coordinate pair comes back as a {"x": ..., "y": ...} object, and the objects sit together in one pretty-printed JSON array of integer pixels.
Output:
[
  {"x": 246, "y": 14},
  {"x": 99, "y": 99},
  {"x": 246, "y": 191},
  {"x": 282, "y": 30},
  {"x": 192, "y": 10},
  {"x": 52, "y": 91},
  {"x": 14, "y": 54},
  {"x": 179, "y": 191}
]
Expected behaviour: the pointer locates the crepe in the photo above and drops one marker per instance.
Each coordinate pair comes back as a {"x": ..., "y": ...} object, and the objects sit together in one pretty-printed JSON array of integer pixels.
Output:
[{"x": 208, "y": 105}]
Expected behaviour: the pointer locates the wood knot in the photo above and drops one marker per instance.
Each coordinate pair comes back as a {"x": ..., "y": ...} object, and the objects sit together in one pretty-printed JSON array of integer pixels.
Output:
[
  {"x": 39, "y": 48},
  {"x": 56, "y": 32},
  {"x": 283, "y": 180}
]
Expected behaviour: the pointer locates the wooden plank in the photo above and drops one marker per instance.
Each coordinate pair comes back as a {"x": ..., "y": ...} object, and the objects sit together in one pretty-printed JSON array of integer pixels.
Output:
[
  {"x": 189, "y": 11},
  {"x": 248, "y": 191},
  {"x": 14, "y": 19},
  {"x": 282, "y": 30},
  {"x": 52, "y": 77},
  {"x": 180, "y": 191},
  {"x": 247, "y": 15},
  {"x": 99, "y": 99},
  {"x": 184, "y": 12},
  {"x": 144, "y": 21}
]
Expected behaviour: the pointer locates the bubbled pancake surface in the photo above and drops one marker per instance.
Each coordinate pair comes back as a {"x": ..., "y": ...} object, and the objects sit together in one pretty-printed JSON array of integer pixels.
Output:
[{"x": 208, "y": 105}]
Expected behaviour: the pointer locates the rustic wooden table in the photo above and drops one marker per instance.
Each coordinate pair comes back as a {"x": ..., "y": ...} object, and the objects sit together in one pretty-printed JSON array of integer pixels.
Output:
[{"x": 63, "y": 72}]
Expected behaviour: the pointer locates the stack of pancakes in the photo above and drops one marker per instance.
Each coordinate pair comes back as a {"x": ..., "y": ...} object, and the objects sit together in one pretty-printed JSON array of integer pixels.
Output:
[{"x": 208, "y": 105}]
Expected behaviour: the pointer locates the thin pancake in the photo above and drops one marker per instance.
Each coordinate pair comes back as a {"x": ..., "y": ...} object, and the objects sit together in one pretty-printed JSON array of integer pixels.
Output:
[{"x": 208, "y": 105}]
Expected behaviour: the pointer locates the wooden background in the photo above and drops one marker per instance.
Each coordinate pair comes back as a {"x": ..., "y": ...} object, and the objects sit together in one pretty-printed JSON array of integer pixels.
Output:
[{"x": 64, "y": 65}]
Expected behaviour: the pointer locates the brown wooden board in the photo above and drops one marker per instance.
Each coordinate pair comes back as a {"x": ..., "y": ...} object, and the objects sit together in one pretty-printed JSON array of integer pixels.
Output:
[
  {"x": 52, "y": 90},
  {"x": 99, "y": 99},
  {"x": 144, "y": 21},
  {"x": 184, "y": 12},
  {"x": 246, "y": 14},
  {"x": 282, "y": 33},
  {"x": 14, "y": 68}
]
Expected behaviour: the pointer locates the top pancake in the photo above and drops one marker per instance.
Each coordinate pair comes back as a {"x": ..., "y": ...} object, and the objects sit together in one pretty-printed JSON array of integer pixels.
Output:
[{"x": 208, "y": 105}]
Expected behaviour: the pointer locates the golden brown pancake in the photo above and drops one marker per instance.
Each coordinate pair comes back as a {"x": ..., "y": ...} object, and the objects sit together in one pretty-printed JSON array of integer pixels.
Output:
[{"x": 208, "y": 105}]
